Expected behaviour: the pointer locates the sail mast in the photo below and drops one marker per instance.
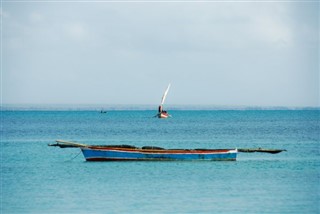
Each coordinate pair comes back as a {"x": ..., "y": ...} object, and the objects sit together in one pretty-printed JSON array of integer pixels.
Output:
[{"x": 165, "y": 94}]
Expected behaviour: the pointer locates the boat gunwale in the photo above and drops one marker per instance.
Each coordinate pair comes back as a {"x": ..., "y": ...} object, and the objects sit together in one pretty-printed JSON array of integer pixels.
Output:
[{"x": 163, "y": 151}]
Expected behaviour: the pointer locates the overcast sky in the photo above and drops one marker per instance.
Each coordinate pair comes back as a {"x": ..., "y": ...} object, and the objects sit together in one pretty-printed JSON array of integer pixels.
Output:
[{"x": 212, "y": 53}]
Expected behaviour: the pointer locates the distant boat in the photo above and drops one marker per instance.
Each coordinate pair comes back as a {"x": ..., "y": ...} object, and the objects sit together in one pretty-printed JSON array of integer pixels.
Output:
[
  {"x": 162, "y": 113},
  {"x": 102, "y": 111},
  {"x": 148, "y": 153}
]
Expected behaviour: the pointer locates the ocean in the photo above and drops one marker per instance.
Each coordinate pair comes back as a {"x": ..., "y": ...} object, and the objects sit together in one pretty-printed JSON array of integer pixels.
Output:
[{"x": 36, "y": 178}]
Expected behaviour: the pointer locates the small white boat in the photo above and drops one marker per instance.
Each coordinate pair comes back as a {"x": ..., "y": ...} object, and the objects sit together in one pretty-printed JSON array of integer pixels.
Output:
[{"x": 162, "y": 113}]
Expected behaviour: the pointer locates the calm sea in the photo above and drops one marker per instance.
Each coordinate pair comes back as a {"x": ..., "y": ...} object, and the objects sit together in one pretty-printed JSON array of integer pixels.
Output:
[{"x": 36, "y": 178}]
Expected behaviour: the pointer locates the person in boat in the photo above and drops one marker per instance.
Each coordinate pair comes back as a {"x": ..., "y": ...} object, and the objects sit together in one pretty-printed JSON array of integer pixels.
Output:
[{"x": 161, "y": 110}]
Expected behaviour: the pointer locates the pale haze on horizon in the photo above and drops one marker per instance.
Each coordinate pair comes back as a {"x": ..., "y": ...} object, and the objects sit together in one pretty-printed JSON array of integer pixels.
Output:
[{"x": 212, "y": 53}]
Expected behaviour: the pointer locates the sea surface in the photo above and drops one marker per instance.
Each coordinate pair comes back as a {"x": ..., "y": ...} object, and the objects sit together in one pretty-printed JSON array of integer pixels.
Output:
[{"x": 36, "y": 178}]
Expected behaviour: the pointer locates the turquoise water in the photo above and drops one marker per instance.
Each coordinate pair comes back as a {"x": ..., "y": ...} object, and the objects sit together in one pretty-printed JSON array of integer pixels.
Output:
[{"x": 36, "y": 178}]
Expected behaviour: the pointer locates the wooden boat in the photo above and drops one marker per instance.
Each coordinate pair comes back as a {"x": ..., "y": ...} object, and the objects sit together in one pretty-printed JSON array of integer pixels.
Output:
[
  {"x": 161, "y": 113},
  {"x": 152, "y": 153},
  {"x": 116, "y": 153},
  {"x": 148, "y": 153}
]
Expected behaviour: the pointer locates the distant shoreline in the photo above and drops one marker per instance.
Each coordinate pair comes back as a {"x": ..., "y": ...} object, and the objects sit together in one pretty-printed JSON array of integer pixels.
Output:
[{"x": 105, "y": 107}]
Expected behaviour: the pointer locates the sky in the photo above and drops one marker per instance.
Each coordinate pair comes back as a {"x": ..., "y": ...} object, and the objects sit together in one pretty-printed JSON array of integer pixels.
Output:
[{"x": 218, "y": 53}]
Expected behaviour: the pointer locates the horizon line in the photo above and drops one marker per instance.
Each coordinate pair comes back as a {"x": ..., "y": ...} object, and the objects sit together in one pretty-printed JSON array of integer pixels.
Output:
[{"x": 112, "y": 107}]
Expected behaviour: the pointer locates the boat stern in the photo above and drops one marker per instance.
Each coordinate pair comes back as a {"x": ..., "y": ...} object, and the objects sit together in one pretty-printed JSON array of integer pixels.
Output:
[{"x": 163, "y": 115}]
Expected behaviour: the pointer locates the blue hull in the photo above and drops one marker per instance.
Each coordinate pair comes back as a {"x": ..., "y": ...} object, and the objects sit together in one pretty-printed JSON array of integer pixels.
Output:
[{"x": 115, "y": 154}]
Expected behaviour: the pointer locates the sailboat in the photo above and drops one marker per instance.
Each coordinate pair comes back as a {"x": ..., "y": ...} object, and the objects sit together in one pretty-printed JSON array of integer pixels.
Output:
[{"x": 162, "y": 113}]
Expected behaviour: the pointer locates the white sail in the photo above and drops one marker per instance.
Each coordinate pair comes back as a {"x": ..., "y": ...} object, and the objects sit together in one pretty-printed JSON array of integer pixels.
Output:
[{"x": 165, "y": 95}]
